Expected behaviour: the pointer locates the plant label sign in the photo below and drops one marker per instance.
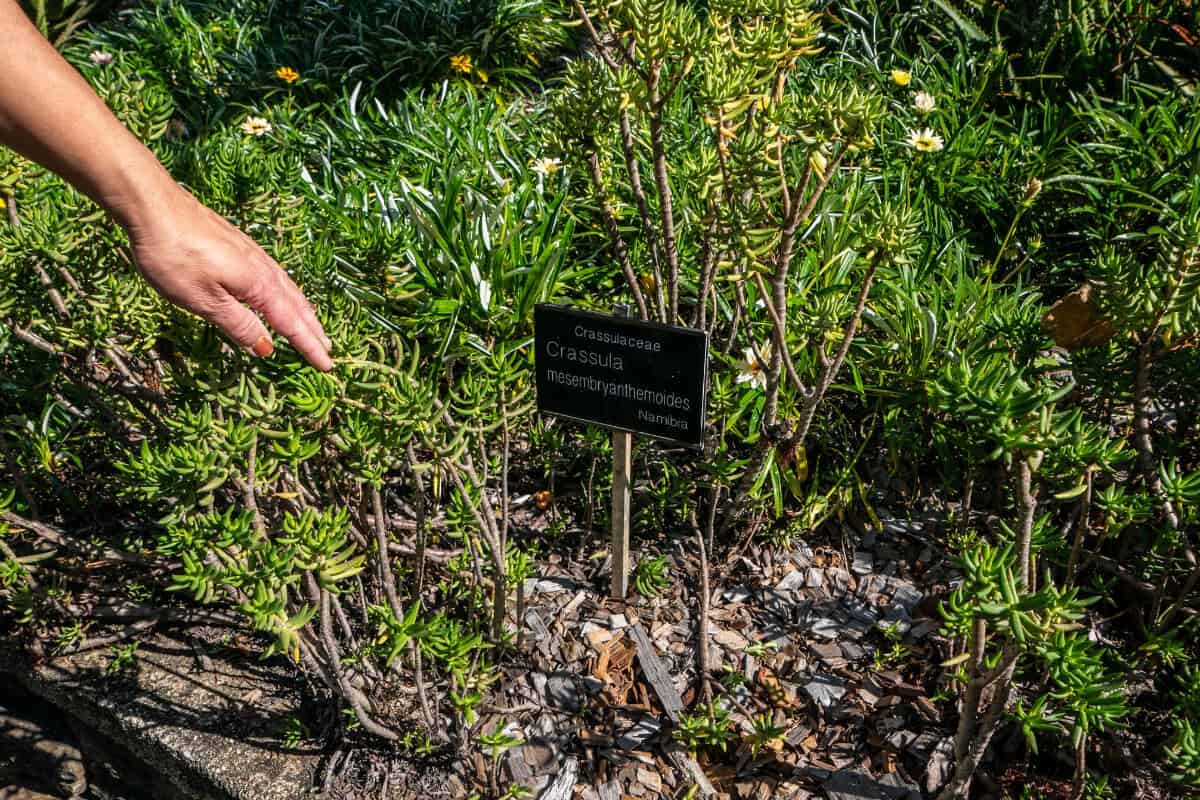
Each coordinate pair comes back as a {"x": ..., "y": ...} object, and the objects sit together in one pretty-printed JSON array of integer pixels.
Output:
[{"x": 621, "y": 373}]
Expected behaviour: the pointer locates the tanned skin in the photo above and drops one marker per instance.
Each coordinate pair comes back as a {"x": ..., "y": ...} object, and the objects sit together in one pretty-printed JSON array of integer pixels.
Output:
[{"x": 188, "y": 253}]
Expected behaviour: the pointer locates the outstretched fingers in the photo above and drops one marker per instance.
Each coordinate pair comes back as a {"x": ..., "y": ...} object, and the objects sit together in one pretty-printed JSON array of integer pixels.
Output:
[
  {"x": 307, "y": 313},
  {"x": 283, "y": 307},
  {"x": 287, "y": 312},
  {"x": 240, "y": 324}
]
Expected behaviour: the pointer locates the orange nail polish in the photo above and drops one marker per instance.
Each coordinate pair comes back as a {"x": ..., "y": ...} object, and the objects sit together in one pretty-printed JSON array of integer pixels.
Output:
[{"x": 263, "y": 347}]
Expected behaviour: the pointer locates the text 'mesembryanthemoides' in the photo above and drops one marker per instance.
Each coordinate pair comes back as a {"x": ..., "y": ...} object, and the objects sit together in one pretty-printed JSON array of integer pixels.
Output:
[{"x": 621, "y": 373}]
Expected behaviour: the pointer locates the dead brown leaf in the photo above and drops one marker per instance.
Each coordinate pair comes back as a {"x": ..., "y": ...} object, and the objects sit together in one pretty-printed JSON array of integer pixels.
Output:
[{"x": 1076, "y": 320}]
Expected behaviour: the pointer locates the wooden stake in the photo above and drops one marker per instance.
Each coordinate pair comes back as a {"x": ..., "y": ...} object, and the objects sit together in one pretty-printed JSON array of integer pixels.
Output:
[
  {"x": 622, "y": 445},
  {"x": 622, "y": 466}
]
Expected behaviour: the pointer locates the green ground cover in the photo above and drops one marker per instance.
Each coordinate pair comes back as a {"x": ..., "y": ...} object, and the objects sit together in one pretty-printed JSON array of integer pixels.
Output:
[{"x": 948, "y": 255}]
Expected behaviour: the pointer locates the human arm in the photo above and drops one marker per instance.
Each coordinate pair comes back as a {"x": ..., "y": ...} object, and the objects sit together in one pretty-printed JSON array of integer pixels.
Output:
[{"x": 192, "y": 256}]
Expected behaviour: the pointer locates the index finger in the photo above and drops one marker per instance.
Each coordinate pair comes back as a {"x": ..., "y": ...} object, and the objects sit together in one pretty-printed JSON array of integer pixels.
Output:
[
  {"x": 287, "y": 312},
  {"x": 307, "y": 312}
]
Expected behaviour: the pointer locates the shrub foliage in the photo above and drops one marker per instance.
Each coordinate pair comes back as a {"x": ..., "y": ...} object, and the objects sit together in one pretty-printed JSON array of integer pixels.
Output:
[{"x": 954, "y": 247}]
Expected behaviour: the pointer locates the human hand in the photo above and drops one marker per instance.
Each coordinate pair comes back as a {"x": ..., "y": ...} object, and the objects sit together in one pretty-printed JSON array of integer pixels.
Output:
[
  {"x": 195, "y": 259},
  {"x": 198, "y": 261}
]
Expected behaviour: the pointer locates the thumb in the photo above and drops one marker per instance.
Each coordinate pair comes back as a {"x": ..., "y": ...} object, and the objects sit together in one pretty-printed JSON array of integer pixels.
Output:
[{"x": 242, "y": 325}]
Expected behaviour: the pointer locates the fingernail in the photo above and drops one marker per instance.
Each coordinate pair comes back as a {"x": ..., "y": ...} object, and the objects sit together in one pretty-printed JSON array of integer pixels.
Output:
[
  {"x": 263, "y": 347},
  {"x": 327, "y": 342}
]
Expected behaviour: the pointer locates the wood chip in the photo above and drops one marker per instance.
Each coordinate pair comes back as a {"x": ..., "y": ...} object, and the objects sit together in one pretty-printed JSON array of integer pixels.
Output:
[
  {"x": 649, "y": 778},
  {"x": 518, "y": 769},
  {"x": 730, "y": 640},
  {"x": 564, "y": 783},
  {"x": 656, "y": 673},
  {"x": 533, "y": 622},
  {"x": 691, "y": 770},
  {"x": 596, "y": 635}
]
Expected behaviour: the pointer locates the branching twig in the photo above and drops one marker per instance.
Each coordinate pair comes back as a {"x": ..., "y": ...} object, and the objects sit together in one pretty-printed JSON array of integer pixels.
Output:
[
  {"x": 615, "y": 239},
  {"x": 666, "y": 208},
  {"x": 56, "y": 300},
  {"x": 385, "y": 564},
  {"x": 812, "y": 399},
  {"x": 975, "y": 733},
  {"x": 486, "y": 521},
  {"x": 1081, "y": 530},
  {"x": 964, "y": 771},
  {"x": 702, "y": 652},
  {"x": 30, "y": 338},
  {"x": 639, "y": 196},
  {"x": 62, "y": 539},
  {"x": 357, "y": 700},
  {"x": 779, "y": 324},
  {"x": 809, "y": 409}
]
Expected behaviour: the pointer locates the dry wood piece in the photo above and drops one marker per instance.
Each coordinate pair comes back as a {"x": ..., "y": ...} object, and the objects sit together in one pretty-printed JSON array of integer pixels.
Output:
[
  {"x": 621, "y": 512},
  {"x": 660, "y": 679},
  {"x": 688, "y": 767},
  {"x": 563, "y": 785},
  {"x": 656, "y": 673}
]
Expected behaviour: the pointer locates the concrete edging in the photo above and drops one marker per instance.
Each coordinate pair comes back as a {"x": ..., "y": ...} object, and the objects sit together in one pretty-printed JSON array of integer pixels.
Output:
[{"x": 207, "y": 726}]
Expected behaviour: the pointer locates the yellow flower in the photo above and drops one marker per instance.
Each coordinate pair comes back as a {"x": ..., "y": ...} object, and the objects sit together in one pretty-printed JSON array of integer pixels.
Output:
[
  {"x": 287, "y": 74},
  {"x": 483, "y": 76},
  {"x": 901, "y": 77},
  {"x": 256, "y": 126},
  {"x": 925, "y": 141},
  {"x": 462, "y": 63}
]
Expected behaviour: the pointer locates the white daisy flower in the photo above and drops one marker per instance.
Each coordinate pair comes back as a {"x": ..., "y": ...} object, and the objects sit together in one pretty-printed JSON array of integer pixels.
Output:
[
  {"x": 924, "y": 102},
  {"x": 753, "y": 371},
  {"x": 256, "y": 126},
  {"x": 925, "y": 141},
  {"x": 546, "y": 166}
]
